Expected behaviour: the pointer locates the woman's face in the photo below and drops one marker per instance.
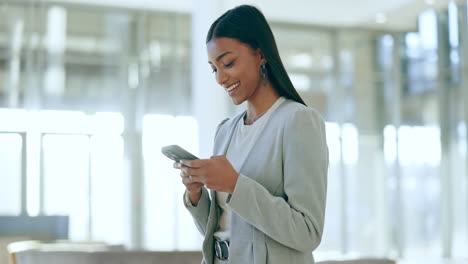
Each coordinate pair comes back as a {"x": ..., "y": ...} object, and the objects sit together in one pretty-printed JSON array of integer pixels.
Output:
[{"x": 236, "y": 67}]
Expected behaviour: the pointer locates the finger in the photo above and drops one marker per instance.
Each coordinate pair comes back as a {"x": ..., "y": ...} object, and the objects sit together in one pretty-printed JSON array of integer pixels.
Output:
[
  {"x": 190, "y": 180},
  {"x": 176, "y": 165},
  {"x": 192, "y": 163},
  {"x": 192, "y": 171},
  {"x": 186, "y": 181},
  {"x": 194, "y": 179},
  {"x": 182, "y": 174}
]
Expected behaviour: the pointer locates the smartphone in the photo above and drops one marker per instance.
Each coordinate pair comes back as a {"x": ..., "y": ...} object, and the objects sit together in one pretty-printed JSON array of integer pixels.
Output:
[{"x": 176, "y": 153}]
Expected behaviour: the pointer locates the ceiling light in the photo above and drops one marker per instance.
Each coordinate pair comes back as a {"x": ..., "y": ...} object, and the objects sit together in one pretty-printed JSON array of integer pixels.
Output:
[
  {"x": 430, "y": 2},
  {"x": 380, "y": 18}
]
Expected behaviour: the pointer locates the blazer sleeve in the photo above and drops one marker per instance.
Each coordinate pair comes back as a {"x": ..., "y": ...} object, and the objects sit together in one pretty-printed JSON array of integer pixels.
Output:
[
  {"x": 201, "y": 211},
  {"x": 295, "y": 220}
]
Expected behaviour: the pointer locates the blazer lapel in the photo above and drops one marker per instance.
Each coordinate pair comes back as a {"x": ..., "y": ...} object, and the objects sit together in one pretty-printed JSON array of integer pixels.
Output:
[{"x": 230, "y": 130}]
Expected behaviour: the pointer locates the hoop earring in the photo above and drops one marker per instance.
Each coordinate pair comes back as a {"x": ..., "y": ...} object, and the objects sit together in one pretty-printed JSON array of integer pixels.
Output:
[{"x": 263, "y": 73}]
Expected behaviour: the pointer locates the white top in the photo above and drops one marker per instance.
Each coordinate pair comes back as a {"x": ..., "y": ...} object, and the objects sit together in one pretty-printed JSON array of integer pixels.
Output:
[{"x": 242, "y": 142}]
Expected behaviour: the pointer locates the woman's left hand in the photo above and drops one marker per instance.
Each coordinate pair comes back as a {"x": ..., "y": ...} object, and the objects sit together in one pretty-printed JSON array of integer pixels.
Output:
[{"x": 216, "y": 173}]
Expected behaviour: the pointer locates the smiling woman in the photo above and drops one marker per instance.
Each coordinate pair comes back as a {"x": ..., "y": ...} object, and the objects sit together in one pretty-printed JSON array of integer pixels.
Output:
[{"x": 268, "y": 175}]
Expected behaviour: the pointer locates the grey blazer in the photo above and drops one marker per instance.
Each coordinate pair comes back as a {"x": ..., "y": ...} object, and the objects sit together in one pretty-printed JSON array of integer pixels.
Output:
[{"x": 278, "y": 205}]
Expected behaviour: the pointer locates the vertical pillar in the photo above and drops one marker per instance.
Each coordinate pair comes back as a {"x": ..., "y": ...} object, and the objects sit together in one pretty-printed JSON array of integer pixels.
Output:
[
  {"x": 41, "y": 176},
  {"x": 209, "y": 101},
  {"x": 339, "y": 114},
  {"x": 463, "y": 47},
  {"x": 24, "y": 185},
  {"x": 398, "y": 226},
  {"x": 17, "y": 31},
  {"x": 367, "y": 166},
  {"x": 443, "y": 96},
  {"x": 129, "y": 90},
  {"x": 89, "y": 234},
  {"x": 32, "y": 65},
  {"x": 54, "y": 78},
  {"x": 389, "y": 86}
]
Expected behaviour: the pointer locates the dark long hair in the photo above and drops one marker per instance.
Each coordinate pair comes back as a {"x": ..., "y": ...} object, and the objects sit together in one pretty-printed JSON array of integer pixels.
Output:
[{"x": 248, "y": 25}]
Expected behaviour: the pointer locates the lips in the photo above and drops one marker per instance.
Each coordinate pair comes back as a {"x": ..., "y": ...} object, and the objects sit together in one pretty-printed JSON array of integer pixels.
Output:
[{"x": 232, "y": 87}]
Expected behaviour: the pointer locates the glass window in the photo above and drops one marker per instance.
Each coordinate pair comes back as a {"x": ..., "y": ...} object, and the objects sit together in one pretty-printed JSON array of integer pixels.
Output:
[
  {"x": 10, "y": 176},
  {"x": 420, "y": 156},
  {"x": 460, "y": 189},
  {"x": 108, "y": 189},
  {"x": 168, "y": 225},
  {"x": 66, "y": 180},
  {"x": 332, "y": 235}
]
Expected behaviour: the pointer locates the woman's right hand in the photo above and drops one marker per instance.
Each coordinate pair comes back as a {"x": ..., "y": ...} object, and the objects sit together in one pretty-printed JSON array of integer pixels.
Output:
[{"x": 193, "y": 188}]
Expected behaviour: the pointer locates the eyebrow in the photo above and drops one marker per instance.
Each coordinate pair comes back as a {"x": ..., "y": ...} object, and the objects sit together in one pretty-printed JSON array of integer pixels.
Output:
[{"x": 221, "y": 56}]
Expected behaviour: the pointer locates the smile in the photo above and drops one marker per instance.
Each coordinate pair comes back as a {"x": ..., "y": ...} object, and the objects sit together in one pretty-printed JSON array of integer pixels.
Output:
[{"x": 232, "y": 87}]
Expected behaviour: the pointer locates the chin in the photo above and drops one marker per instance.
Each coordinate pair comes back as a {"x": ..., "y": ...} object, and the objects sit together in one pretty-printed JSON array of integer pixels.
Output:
[{"x": 237, "y": 101}]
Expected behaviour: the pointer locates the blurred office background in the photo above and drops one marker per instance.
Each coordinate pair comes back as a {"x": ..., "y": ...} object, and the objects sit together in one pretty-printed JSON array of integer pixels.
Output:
[{"x": 91, "y": 90}]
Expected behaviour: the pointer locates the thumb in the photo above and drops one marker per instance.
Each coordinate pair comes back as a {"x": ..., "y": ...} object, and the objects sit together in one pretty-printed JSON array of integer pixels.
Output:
[{"x": 222, "y": 157}]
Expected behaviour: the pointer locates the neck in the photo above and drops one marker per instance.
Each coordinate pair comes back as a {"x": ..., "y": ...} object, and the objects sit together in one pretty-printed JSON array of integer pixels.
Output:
[{"x": 260, "y": 102}]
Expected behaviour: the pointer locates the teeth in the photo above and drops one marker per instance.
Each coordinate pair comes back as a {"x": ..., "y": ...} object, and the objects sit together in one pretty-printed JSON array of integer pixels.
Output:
[{"x": 230, "y": 88}]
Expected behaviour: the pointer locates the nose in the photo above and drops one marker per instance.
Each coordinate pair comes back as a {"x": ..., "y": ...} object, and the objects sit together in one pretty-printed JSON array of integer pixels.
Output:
[{"x": 221, "y": 77}]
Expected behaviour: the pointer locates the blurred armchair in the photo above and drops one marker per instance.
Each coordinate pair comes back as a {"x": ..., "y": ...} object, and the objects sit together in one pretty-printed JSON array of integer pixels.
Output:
[{"x": 23, "y": 227}]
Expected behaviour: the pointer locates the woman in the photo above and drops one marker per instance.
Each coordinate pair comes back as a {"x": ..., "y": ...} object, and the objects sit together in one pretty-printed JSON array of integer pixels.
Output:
[{"x": 268, "y": 179}]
